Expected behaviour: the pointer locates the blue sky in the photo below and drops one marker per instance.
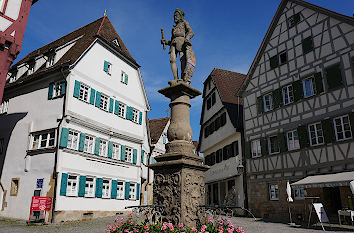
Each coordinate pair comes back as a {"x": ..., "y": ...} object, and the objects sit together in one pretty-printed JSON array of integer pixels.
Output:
[{"x": 227, "y": 35}]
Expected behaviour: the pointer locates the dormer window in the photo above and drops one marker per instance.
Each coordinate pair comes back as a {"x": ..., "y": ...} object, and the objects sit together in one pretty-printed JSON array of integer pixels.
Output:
[
  {"x": 31, "y": 68},
  {"x": 2, "y": 5},
  {"x": 50, "y": 60},
  {"x": 13, "y": 76},
  {"x": 115, "y": 41},
  {"x": 293, "y": 20}
]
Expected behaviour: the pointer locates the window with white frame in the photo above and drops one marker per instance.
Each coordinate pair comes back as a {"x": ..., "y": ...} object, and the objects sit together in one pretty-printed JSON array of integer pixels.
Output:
[
  {"x": 288, "y": 94},
  {"x": 122, "y": 107},
  {"x": 129, "y": 154},
  {"x": 84, "y": 92},
  {"x": 120, "y": 190},
  {"x": 31, "y": 68},
  {"x": 106, "y": 189},
  {"x": 108, "y": 67},
  {"x": 103, "y": 148},
  {"x": 309, "y": 86},
  {"x": 342, "y": 128},
  {"x": 135, "y": 115},
  {"x": 43, "y": 140},
  {"x": 104, "y": 102},
  {"x": 299, "y": 193},
  {"x": 116, "y": 151},
  {"x": 90, "y": 187},
  {"x": 50, "y": 61},
  {"x": 292, "y": 140},
  {"x": 268, "y": 102},
  {"x": 71, "y": 189},
  {"x": 316, "y": 134},
  {"x": 73, "y": 140},
  {"x": 273, "y": 144},
  {"x": 132, "y": 191},
  {"x": 273, "y": 192},
  {"x": 4, "y": 107},
  {"x": 256, "y": 148},
  {"x": 57, "y": 89},
  {"x": 89, "y": 144},
  {"x": 124, "y": 77}
]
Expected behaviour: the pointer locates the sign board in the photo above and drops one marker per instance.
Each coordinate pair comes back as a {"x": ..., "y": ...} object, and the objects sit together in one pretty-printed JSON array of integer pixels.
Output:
[
  {"x": 41, "y": 203},
  {"x": 320, "y": 211},
  {"x": 39, "y": 183}
]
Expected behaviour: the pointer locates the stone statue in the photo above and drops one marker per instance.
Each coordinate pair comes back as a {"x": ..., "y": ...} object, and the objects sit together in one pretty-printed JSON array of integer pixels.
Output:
[{"x": 180, "y": 44}]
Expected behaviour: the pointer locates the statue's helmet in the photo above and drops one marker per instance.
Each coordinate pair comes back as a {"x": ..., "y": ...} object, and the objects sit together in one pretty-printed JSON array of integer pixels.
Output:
[{"x": 179, "y": 11}]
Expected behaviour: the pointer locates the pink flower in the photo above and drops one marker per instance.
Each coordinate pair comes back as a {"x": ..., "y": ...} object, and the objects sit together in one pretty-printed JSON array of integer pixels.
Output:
[
  {"x": 136, "y": 230},
  {"x": 193, "y": 229},
  {"x": 120, "y": 232},
  {"x": 180, "y": 225},
  {"x": 163, "y": 227},
  {"x": 221, "y": 228},
  {"x": 146, "y": 228},
  {"x": 210, "y": 219},
  {"x": 221, "y": 231},
  {"x": 170, "y": 226},
  {"x": 229, "y": 230}
]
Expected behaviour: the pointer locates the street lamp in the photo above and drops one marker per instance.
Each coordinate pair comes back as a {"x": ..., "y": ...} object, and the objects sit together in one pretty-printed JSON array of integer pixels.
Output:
[{"x": 240, "y": 168}]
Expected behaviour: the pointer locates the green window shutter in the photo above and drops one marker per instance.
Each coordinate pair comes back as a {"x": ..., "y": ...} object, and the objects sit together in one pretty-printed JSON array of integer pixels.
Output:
[
  {"x": 110, "y": 148},
  {"x": 274, "y": 62},
  {"x": 126, "y": 79},
  {"x": 114, "y": 189},
  {"x": 137, "y": 191},
  {"x": 135, "y": 155},
  {"x": 127, "y": 114},
  {"x": 282, "y": 142},
  {"x": 82, "y": 184},
  {"x": 122, "y": 153},
  {"x": 63, "y": 184},
  {"x": 142, "y": 156},
  {"x": 318, "y": 83},
  {"x": 127, "y": 189},
  {"x": 298, "y": 90},
  {"x": 307, "y": 45},
  {"x": 116, "y": 107},
  {"x": 63, "y": 86},
  {"x": 163, "y": 139},
  {"x": 97, "y": 146},
  {"x": 105, "y": 66},
  {"x": 99, "y": 186},
  {"x": 303, "y": 136},
  {"x": 351, "y": 119},
  {"x": 50, "y": 91},
  {"x": 111, "y": 103},
  {"x": 98, "y": 99},
  {"x": 64, "y": 137},
  {"x": 248, "y": 150},
  {"x": 277, "y": 100},
  {"x": 92, "y": 96},
  {"x": 77, "y": 89},
  {"x": 264, "y": 146},
  {"x": 82, "y": 142},
  {"x": 328, "y": 131},
  {"x": 153, "y": 160},
  {"x": 260, "y": 104},
  {"x": 334, "y": 77},
  {"x": 140, "y": 118}
]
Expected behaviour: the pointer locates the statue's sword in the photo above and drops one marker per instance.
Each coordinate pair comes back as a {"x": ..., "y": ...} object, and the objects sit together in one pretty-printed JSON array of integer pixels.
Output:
[{"x": 163, "y": 39}]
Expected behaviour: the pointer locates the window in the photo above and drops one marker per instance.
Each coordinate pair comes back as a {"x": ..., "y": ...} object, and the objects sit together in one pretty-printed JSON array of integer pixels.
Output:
[
  {"x": 342, "y": 128},
  {"x": 288, "y": 94},
  {"x": 90, "y": 187},
  {"x": 124, "y": 78},
  {"x": 283, "y": 58},
  {"x": 268, "y": 102},
  {"x": 334, "y": 76},
  {"x": 292, "y": 140},
  {"x": 164, "y": 138},
  {"x": 129, "y": 154},
  {"x": 57, "y": 89},
  {"x": 13, "y": 76},
  {"x": 121, "y": 112},
  {"x": 309, "y": 86},
  {"x": 116, "y": 151},
  {"x": 299, "y": 193},
  {"x": 307, "y": 45},
  {"x": 115, "y": 41},
  {"x": 2, "y": 4},
  {"x": 104, "y": 102},
  {"x": 256, "y": 148},
  {"x": 293, "y": 20},
  {"x": 88, "y": 144},
  {"x": 135, "y": 115},
  {"x": 84, "y": 92},
  {"x": 4, "y": 107},
  {"x": 15, "y": 182},
  {"x": 31, "y": 68},
  {"x": 73, "y": 140},
  {"x": 218, "y": 156},
  {"x": 103, "y": 148},
  {"x": 132, "y": 192},
  {"x": 50, "y": 61},
  {"x": 106, "y": 189},
  {"x": 273, "y": 145},
  {"x": 71, "y": 189},
  {"x": 211, "y": 100},
  {"x": 120, "y": 190},
  {"x": 273, "y": 192},
  {"x": 316, "y": 134},
  {"x": 43, "y": 140},
  {"x": 107, "y": 67}
]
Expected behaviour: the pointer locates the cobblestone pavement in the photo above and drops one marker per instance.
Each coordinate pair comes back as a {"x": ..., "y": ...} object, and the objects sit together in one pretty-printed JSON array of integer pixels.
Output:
[{"x": 99, "y": 225}]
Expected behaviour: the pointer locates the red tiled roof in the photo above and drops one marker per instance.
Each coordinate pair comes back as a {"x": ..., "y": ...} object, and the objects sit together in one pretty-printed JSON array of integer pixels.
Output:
[
  {"x": 156, "y": 127},
  {"x": 228, "y": 84},
  {"x": 88, "y": 34}
]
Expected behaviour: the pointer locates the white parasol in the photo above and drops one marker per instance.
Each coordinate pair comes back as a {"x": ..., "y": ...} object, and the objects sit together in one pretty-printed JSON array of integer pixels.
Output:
[{"x": 289, "y": 199}]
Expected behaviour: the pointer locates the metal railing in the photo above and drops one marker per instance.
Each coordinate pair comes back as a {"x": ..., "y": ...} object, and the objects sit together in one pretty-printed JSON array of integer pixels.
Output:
[{"x": 147, "y": 213}]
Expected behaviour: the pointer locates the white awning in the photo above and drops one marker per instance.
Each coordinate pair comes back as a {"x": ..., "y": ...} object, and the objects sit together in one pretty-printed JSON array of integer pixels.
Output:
[{"x": 329, "y": 180}]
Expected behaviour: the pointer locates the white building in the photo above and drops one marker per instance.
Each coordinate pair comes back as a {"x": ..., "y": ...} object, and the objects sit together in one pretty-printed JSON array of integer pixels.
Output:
[
  {"x": 220, "y": 138},
  {"x": 73, "y": 127}
]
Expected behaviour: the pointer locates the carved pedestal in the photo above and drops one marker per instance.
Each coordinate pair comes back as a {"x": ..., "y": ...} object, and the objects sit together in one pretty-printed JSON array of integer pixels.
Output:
[{"x": 179, "y": 174}]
